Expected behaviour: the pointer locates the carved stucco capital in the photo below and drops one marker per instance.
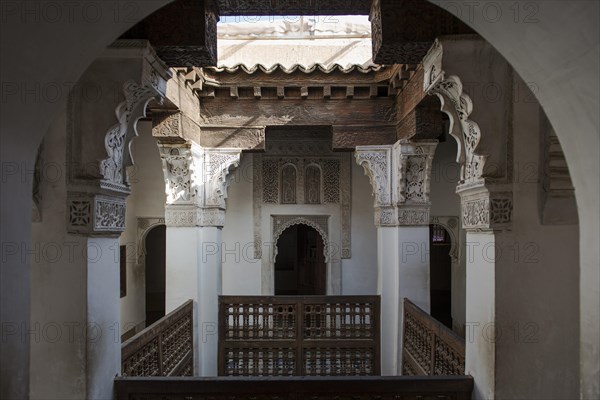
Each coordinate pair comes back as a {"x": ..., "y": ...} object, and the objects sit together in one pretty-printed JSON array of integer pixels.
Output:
[
  {"x": 92, "y": 214},
  {"x": 400, "y": 176},
  {"x": 412, "y": 174},
  {"x": 196, "y": 181},
  {"x": 180, "y": 169}
]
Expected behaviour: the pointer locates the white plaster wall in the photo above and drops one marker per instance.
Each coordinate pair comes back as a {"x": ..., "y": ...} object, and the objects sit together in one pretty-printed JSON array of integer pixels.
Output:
[
  {"x": 359, "y": 273},
  {"x": 75, "y": 284},
  {"x": 537, "y": 291},
  {"x": 58, "y": 283},
  {"x": 241, "y": 272},
  {"x": 147, "y": 199},
  {"x": 480, "y": 353}
]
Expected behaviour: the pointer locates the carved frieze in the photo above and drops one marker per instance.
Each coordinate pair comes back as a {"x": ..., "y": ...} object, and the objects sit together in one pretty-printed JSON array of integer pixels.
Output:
[{"x": 408, "y": 216}]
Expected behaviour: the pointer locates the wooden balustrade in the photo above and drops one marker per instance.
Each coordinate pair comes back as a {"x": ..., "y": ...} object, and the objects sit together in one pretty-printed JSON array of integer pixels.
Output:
[
  {"x": 165, "y": 348},
  {"x": 299, "y": 335},
  {"x": 296, "y": 388},
  {"x": 429, "y": 347}
]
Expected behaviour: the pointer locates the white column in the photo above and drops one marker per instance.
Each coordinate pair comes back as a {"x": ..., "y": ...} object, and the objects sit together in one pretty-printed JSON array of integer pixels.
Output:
[
  {"x": 196, "y": 188},
  {"x": 400, "y": 177}
]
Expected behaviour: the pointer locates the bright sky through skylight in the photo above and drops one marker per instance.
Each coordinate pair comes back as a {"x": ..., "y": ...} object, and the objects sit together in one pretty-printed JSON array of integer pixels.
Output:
[{"x": 294, "y": 26}]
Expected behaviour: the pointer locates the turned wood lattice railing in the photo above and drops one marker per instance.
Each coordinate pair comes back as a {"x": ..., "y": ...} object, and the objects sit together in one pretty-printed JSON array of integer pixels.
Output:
[
  {"x": 299, "y": 335},
  {"x": 165, "y": 348},
  {"x": 429, "y": 347}
]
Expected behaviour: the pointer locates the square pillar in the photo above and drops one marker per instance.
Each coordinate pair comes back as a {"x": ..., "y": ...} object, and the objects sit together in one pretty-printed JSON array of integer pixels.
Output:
[{"x": 196, "y": 187}]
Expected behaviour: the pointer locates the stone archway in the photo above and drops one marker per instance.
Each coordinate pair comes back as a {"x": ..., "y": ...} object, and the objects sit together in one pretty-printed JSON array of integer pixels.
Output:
[{"x": 567, "y": 90}]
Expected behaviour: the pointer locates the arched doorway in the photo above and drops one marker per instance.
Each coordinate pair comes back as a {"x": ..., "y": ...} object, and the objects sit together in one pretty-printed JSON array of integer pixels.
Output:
[
  {"x": 440, "y": 274},
  {"x": 300, "y": 267},
  {"x": 155, "y": 273}
]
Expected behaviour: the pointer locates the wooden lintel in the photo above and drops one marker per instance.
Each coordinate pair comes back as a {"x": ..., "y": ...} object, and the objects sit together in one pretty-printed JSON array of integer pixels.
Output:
[
  {"x": 411, "y": 94},
  {"x": 245, "y": 138},
  {"x": 421, "y": 123},
  {"x": 347, "y": 137}
]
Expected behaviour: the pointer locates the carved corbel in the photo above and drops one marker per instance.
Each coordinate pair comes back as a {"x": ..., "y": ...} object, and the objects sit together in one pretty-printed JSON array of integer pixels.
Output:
[
  {"x": 377, "y": 163},
  {"x": 458, "y": 106},
  {"x": 218, "y": 163},
  {"x": 118, "y": 139}
]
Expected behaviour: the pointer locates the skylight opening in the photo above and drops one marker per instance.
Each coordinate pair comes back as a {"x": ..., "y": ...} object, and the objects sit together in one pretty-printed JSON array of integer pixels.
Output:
[
  {"x": 294, "y": 40},
  {"x": 294, "y": 27}
]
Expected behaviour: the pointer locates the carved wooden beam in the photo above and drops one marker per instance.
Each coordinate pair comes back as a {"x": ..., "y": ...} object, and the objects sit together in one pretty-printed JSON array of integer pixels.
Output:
[
  {"x": 347, "y": 138},
  {"x": 184, "y": 33},
  {"x": 252, "y": 113},
  {"x": 404, "y": 30},
  {"x": 294, "y": 7},
  {"x": 421, "y": 123}
]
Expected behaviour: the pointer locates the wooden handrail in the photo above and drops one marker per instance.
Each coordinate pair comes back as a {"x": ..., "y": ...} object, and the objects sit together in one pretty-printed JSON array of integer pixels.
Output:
[
  {"x": 296, "y": 388},
  {"x": 165, "y": 348},
  {"x": 429, "y": 347},
  {"x": 299, "y": 335}
]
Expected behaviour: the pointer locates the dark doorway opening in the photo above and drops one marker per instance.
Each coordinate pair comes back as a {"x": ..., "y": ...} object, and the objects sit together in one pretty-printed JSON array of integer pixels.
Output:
[
  {"x": 300, "y": 267},
  {"x": 440, "y": 269},
  {"x": 155, "y": 274}
]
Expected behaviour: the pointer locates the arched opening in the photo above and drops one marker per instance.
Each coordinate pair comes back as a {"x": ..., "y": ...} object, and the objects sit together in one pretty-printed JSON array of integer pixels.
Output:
[
  {"x": 155, "y": 273},
  {"x": 440, "y": 274},
  {"x": 300, "y": 267}
]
